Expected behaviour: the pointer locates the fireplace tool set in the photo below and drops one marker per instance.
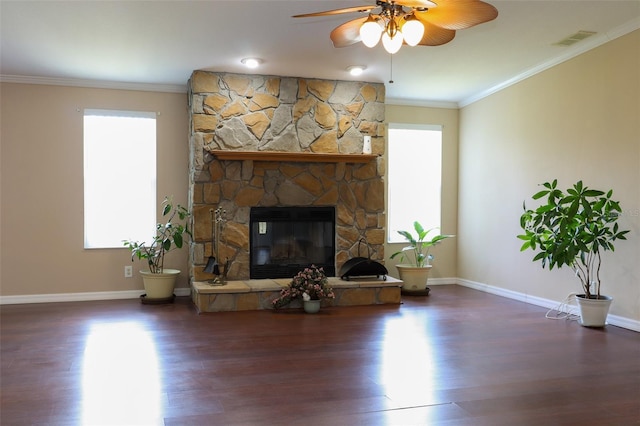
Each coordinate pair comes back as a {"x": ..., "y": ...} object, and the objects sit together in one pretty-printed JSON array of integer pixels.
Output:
[{"x": 218, "y": 221}]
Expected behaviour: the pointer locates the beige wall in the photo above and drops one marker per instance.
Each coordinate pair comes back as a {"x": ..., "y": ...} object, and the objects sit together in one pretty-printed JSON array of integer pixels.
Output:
[
  {"x": 578, "y": 120},
  {"x": 444, "y": 265},
  {"x": 42, "y": 192}
]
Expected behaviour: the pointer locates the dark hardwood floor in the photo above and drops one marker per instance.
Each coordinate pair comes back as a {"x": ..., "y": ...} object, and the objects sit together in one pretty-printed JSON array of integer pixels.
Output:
[{"x": 457, "y": 357}]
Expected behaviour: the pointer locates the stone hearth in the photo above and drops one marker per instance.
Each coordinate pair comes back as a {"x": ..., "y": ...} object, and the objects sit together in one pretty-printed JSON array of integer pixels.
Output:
[{"x": 258, "y": 294}]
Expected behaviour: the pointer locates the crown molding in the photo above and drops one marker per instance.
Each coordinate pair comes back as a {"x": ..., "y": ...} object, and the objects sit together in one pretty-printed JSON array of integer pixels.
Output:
[
  {"x": 421, "y": 103},
  {"x": 589, "y": 44},
  {"x": 95, "y": 84}
]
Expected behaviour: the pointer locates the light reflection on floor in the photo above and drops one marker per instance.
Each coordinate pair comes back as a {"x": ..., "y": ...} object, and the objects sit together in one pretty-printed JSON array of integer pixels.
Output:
[
  {"x": 407, "y": 372},
  {"x": 120, "y": 376}
]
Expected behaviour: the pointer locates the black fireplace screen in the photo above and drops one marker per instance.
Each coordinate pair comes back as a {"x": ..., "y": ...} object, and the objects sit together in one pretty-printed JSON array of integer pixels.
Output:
[{"x": 285, "y": 240}]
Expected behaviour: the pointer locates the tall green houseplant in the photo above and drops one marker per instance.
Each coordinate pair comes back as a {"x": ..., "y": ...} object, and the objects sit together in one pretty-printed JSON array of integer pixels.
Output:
[
  {"x": 572, "y": 228},
  {"x": 169, "y": 236}
]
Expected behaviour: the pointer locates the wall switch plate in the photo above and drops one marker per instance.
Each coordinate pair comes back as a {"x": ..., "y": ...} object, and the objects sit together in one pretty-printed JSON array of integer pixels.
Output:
[
  {"x": 128, "y": 271},
  {"x": 366, "y": 145}
]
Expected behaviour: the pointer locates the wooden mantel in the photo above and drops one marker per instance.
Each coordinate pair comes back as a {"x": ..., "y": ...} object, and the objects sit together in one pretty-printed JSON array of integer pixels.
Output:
[{"x": 299, "y": 157}]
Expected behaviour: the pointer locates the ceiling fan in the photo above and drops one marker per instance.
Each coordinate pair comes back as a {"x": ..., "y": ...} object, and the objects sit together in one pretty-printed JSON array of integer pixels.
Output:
[{"x": 414, "y": 22}]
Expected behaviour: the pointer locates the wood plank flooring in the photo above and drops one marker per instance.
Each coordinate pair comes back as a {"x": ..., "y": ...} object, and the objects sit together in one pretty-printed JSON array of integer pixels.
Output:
[{"x": 457, "y": 357}]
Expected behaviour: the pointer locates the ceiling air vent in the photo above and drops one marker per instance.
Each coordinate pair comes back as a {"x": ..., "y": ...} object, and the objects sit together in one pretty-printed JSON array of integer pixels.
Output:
[{"x": 574, "y": 38}]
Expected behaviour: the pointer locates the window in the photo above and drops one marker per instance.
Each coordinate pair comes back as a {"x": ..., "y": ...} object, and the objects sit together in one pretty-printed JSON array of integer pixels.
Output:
[
  {"x": 119, "y": 177},
  {"x": 414, "y": 178}
]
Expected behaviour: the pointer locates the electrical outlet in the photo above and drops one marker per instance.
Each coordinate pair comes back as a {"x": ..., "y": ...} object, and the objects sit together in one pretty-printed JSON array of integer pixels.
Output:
[{"x": 128, "y": 271}]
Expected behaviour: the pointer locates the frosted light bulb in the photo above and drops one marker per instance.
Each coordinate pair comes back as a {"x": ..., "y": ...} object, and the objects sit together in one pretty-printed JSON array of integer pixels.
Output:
[
  {"x": 392, "y": 45},
  {"x": 370, "y": 32},
  {"x": 412, "y": 30}
]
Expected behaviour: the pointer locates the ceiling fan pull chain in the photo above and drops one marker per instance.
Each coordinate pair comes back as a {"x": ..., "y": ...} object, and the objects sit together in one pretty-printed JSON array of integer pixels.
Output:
[{"x": 390, "y": 68}]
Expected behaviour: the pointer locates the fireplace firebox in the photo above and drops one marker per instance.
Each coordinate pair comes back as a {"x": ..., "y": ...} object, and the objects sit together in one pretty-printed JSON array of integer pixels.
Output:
[{"x": 285, "y": 240}]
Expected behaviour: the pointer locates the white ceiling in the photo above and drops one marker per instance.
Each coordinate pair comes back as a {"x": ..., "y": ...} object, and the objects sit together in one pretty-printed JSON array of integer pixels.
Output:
[{"x": 157, "y": 44}]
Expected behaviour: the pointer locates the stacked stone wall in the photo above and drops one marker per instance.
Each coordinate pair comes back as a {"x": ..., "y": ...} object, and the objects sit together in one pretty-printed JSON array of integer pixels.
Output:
[{"x": 267, "y": 113}]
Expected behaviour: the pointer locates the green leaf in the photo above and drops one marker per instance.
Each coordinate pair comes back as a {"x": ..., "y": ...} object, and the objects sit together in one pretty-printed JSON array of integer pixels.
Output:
[
  {"x": 540, "y": 194},
  {"x": 407, "y": 236},
  {"x": 539, "y": 256},
  {"x": 545, "y": 208},
  {"x": 592, "y": 193},
  {"x": 439, "y": 238},
  {"x": 177, "y": 239},
  {"x": 573, "y": 209}
]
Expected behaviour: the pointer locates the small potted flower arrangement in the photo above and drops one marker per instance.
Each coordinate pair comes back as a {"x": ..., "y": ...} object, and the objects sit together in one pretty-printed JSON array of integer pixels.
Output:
[{"x": 311, "y": 285}]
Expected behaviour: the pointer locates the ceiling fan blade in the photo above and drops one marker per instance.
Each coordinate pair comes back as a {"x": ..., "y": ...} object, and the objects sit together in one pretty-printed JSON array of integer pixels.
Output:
[
  {"x": 435, "y": 35},
  {"x": 337, "y": 11},
  {"x": 458, "y": 14},
  {"x": 347, "y": 33}
]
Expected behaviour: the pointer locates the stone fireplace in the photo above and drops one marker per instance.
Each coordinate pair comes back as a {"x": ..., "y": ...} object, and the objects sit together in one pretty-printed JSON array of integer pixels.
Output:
[{"x": 267, "y": 141}]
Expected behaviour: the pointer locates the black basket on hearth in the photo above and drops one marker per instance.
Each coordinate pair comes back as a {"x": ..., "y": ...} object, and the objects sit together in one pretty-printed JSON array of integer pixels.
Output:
[{"x": 363, "y": 266}]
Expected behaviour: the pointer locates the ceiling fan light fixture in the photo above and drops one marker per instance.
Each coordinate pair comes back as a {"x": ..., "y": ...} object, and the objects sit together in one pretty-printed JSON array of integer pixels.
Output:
[
  {"x": 370, "y": 31},
  {"x": 412, "y": 30},
  {"x": 392, "y": 44},
  {"x": 252, "y": 62}
]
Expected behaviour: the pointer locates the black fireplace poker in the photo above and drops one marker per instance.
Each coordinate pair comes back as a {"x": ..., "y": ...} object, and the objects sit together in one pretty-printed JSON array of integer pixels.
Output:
[{"x": 213, "y": 267}]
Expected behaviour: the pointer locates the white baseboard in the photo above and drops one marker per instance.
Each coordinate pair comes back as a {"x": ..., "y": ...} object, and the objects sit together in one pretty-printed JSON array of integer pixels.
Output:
[
  {"x": 616, "y": 320},
  {"x": 441, "y": 281},
  {"x": 184, "y": 291},
  {"x": 81, "y": 297}
]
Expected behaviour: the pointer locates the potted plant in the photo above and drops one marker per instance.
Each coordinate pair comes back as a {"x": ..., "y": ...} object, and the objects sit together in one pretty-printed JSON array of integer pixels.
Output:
[
  {"x": 572, "y": 228},
  {"x": 311, "y": 285},
  {"x": 159, "y": 281},
  {"x": 415, "y": 275}
]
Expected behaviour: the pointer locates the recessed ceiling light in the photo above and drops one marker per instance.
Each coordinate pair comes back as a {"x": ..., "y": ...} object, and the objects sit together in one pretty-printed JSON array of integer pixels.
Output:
[
  {"x": 356, "y": 70},
  {"x": 251, "y": 62}
]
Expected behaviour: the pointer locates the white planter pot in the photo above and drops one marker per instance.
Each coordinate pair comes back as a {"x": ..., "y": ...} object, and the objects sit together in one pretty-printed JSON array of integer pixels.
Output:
[
  {"x": 311, "y": 306},
  {"x": 413, "y": 278},
  {"x": 159, "y": 286},
  {"x": 593, "y": 312}
]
